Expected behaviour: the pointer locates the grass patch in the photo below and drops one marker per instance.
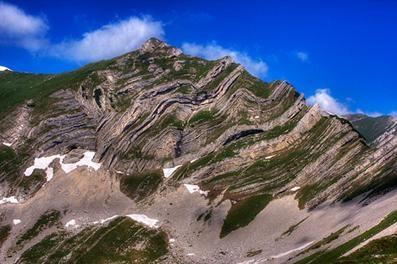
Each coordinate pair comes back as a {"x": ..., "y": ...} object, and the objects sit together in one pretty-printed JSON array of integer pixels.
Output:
[
  {"x": 243, "y": 212},
  {"x": 383, "y": 250},
  {"x": 202, "y": 116},
  {"x": 4, "y": 233},
  {"x": 16, "y": 88},
  {"x": 140, "y": 185},
  {"x": 325, "y": 241},
  {"x": 121, "y": 241},
  {"x": 48, "y": 219},
  {"x": 333, "y": 255}
]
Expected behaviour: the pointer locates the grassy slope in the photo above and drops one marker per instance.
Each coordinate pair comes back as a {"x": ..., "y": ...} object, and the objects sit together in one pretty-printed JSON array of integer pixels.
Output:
[
  {"x": 382, "y": 250},
  {"x": 120, "y": 241},
  {"x": 243, "y": 212},
  {"x": 333, "y": 255},
  {"x": 16, "y": 87}
]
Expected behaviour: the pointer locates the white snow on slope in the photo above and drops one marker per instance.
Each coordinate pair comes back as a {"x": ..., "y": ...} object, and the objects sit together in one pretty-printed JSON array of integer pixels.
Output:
[
  {"x": 296, "y": 188},
  {"x": 16, "y": 221},
  {"x": 169, "y": 171},
  {"x": 269, "y": 157},
  {"x": 141, "y": 218},
  {"x": 10, "y": 199},
  {"x": 105, "y": 220},
  {"x": 7, "y": 144},
  {"x": 2, "y": 68},
  {"x": 85, "y": 161},
  {"x": 72, "y": 223},
  {"x": 195, "y": 188},
  {"x": 44, "y": 163}
]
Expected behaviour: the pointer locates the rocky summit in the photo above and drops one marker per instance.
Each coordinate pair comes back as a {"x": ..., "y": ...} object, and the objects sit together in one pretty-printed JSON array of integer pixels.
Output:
[{"x": 159, "y": 157}]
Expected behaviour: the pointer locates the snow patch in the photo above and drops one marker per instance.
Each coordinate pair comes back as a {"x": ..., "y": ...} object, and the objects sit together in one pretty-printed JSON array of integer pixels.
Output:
[
  {"x": 193, "y": 160},
  {"x": 2, "y": 68},
  {"x": 169, "y": 171},
  {"x": 195, "y": 188},
  {"x": 171, "y": 240},
  {"x": 16, "y": 221},
  {"x": 85, "y": 161},
  {"x": 269, "y": 157},
  {"x": 105, "y": 220},
  {"x": 141, "y": 218},
  {"x": 191, "y": 254},
  {"x": 72, "y": 223},
  {"x": 7, "y": 144},
  {"x": 296, "y": 188},
  {"x": 10, "y": 199},
  {"x": 49, "y": 173},
  {"x": 43, "y": 163}
]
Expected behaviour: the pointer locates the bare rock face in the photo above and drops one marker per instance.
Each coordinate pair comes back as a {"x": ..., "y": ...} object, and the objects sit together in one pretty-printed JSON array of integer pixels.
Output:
[{"x": 157, "y": 120}]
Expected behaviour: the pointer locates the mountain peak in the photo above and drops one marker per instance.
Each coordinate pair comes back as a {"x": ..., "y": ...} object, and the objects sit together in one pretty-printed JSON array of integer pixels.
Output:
[{"x": 154, "y": 44}]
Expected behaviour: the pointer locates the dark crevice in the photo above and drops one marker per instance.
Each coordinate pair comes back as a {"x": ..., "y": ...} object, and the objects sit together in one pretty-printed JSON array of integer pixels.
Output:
[{"x": 242, "y": 134}]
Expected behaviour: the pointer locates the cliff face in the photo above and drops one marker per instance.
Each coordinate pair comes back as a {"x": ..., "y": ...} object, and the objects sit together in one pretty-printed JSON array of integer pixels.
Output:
[{"x": 216, "y": 128}]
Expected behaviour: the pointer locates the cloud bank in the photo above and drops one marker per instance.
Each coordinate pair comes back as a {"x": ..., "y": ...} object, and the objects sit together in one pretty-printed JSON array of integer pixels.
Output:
[
  {"x": 110, "y": 40},
  {"x": 20, "y": 28},
  {"x": 327, "y": 102},
  {"x": 214, "y": 51},
  {"x": 29, "y": 32}
]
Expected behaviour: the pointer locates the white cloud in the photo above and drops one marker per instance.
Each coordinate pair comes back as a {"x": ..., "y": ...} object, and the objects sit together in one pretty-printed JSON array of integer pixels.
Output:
[
  {"x": 20, "y": 28},
  {"x": 394, "y": 114},
  {"x": 110, "y": 40},
  {"x": 303, "y": 56},
  {"x": 214, "y": 51},
  {"x": 327, "y": 102},
  {"x": 371, "y": 114}
]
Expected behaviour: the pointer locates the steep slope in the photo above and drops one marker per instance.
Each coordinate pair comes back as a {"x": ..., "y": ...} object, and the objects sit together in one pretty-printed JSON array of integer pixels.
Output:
[{"x": 202, "y": 147}]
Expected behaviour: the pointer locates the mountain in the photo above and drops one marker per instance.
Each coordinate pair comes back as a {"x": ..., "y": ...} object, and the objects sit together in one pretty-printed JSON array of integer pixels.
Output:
[
  {"x": 371, "y": 127},
  {"x": 159, "y": 157}
]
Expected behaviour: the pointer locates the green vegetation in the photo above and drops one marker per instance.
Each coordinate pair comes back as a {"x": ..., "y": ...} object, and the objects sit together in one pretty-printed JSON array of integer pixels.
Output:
[
  {"x": 383, "y": 250},
  {"x": 16, "y": 88},
  {"x": 243, "y": 212},
  {"x": 306, "y": 193},
  {"x": 252, "y": 84},
  {"x": 202, "y": 116},
  {"x": 136, "y": 153},
  {"x": 333, "y": 255},
  {"x": 10, "y": 162},
  {"x": 140, "y": 185},
  {"x": 169, "y": 120},
  {"x": 4, "y": 233},
  {"x": 384, "y": 181},
  {"x": 212, "y": 86},
  {"x": 33, "y": 182},
  {"x": 121, "y": 241},
  {"x": 48, "y": 219},
  {"x": 325, "y": 241},
  {"x": 279, "y": 130}
]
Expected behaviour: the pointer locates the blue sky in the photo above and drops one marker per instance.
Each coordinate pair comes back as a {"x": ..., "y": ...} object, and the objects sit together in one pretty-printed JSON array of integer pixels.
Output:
[{"x": 341, "y": 54}]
